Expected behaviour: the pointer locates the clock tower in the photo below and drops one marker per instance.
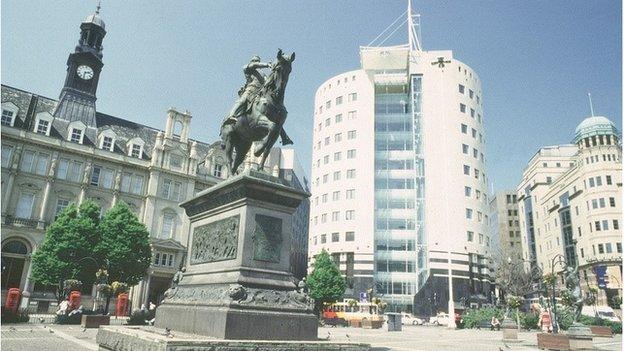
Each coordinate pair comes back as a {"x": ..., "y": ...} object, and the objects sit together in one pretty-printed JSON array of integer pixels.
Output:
[{"x": 77, "y": 99}]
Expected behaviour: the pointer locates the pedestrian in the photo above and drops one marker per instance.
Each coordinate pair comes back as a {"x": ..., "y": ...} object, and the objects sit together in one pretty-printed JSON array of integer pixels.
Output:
[
  {"x": 494, "y": 323},
  {"x": 544, "y": 321}
]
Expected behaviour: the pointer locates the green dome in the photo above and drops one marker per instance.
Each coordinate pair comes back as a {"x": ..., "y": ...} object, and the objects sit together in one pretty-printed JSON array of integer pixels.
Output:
[{"x": 595, "y": 125}]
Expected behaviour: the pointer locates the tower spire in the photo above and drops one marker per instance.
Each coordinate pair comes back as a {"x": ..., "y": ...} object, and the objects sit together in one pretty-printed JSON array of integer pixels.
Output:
[
  {"x": 591, "y": 105},
  {"x": 97, "y": 9}
]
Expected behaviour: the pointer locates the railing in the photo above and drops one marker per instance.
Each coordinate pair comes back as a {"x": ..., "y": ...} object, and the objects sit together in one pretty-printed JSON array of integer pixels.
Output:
[{"x": 24, "y": 222}]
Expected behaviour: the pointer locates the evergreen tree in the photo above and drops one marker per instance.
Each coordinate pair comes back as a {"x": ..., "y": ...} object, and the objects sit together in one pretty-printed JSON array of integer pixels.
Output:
[
  {"x": 69, "y": 239},
  {"x": 325, "y": 283}
]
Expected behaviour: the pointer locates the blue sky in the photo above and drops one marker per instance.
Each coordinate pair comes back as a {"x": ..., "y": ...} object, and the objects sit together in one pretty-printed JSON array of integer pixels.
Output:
[{"x": 537, "y": 59}]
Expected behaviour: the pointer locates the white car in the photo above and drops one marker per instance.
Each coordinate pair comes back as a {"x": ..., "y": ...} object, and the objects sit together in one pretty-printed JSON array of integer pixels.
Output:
[
  {"x": 439, "y": 319},
  {"x": 408, "y": 319}
]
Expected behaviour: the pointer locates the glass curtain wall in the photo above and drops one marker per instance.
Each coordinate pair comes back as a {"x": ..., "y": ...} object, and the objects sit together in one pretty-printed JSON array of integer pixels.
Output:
[{"x": 398, "y": 194}]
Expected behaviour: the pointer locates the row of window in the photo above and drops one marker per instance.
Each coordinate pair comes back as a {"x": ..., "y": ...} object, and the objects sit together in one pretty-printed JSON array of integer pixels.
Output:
[
  {"x": 604, "y": 225},
  {"x": 605, "y": 158},
  {"x": 345, "y": 80},
  {"x": 475, "y": 152},
  {"x": 349, "y": 195},
  {"x": 597, "y": 181},
  {"x": 328, "y": 104},
  {"x": 336, "y": 176},
  {"x": 471, "y": 94},
  {"x": 352, "y": 134},
  {"x": 349, "y": 215},
  {"x": 473, "y": 132},
  {"x": 600, "y": 140},
  {"x": 607, "y": 248},
  {"x": 337, "y": 157},
  {"x": 163, "y": 259},
  {"x": 482, "y": 238},
  {"x": 512, "y": 213},
  {"x": 601, "y": 203},
  {"x": 396, "y": 266},
  {"x": 480, "y": 216},
  {"x": 351, "y": 116},
  {"x": 335, "y": 237},
  {"x": 478, "y": 193},
  {"x": 462, "y": 109},
  {"x": 477, "y": 174},
  {"x": 511, "y": 234}
]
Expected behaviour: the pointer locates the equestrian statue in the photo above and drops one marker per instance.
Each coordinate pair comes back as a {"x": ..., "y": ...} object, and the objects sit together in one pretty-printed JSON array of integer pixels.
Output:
[{"x": 258, "y": 114}]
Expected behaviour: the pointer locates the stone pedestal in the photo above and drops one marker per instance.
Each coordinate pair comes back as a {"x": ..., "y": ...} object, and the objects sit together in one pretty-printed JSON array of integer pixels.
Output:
[
  {"x": 581, "y": 337},
  {"x": 510, "y": 330},
  {"x": 237, "y": 283}
]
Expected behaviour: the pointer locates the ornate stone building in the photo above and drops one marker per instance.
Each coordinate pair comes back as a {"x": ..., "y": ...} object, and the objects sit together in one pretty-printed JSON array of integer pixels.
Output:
[{"x": 59, "y": 152}]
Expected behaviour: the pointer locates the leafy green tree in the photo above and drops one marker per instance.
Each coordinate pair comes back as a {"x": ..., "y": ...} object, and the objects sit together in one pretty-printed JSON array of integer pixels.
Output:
[
  {"x": 71, "y": 237},
  {"x": 125, "y": 245},
  {"x": 325, "y": 283}
]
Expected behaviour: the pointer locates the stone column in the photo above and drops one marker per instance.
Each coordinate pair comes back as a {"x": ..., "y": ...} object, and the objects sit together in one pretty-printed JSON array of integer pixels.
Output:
[
  {"x": 13, "y": 172},
  {"x": 46, "y": 191},
  {"x": 146, "y": 292},
  {"x": 85, "y": 183},
  {"x": 26, "y": 288},
  {"x": 116, "y": 188}
]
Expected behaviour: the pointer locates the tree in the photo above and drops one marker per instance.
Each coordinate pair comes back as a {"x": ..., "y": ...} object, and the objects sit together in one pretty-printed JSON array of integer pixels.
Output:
[
  {"x": 125, "y": 245},
  {"x": 325, "y": 283},
  {"x": 71, "y": 237}
]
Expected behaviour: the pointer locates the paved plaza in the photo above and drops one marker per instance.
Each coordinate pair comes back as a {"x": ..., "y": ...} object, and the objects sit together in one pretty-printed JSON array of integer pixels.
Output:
[{"x": 412, "y": 338}]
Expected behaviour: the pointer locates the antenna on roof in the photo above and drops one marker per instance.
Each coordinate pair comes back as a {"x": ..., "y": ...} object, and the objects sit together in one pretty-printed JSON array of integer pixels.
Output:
[
  {"x": 591, "y": 105},
  {"x": 97, "y": 9},
  {"x": 413, "y": 28}
]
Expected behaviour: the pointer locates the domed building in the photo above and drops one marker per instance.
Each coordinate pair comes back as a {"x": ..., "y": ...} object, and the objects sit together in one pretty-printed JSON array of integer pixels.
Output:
[{"x": 570, "y": 208}]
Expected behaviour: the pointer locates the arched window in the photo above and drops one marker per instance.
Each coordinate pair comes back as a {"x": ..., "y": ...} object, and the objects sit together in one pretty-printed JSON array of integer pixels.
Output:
[
  {"x": 13, "y": 258},
  {"x": 177, "y": 129}
]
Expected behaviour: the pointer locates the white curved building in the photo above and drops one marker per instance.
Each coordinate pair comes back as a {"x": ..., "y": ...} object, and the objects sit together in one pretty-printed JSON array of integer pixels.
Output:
[{"x": 398, "y": 178}]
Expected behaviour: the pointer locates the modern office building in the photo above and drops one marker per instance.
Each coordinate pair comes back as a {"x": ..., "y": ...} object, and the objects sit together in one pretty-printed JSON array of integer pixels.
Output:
[
  {"x": 573, "y": 193},
  {"x": 399, "y": 187},
  {"x": 505, "y": 226},
  {"x": 59, "y": 152}
]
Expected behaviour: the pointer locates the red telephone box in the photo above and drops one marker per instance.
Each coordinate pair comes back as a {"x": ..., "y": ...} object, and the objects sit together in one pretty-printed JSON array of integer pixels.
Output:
[
  {"x": 121, "y": 308},
  {"x": 12, "y": 299},
  {"x": 74, "y": 300}
]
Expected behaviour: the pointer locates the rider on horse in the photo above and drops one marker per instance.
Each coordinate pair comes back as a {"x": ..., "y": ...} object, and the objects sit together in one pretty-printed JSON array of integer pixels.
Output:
[{"x": 254, "y": 81}]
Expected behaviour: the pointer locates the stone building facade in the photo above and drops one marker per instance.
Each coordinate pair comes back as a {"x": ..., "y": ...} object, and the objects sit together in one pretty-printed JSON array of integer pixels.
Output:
[
  {"x": 59, "y": 152},
  {"x": 572, "y": 193},
  {"x": 505, "y": 226}
]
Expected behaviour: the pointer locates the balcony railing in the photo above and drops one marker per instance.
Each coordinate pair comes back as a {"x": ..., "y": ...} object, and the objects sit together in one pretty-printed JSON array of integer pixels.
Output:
[{"x": 24, "y": 222}]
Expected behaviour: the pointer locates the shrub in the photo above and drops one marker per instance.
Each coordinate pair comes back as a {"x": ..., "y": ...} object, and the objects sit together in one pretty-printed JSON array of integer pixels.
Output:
[
  {"x": 565, "y": 317},
  {"x": 473, "y": 317},
  {"x": 529, "y": 320},
  {"x": 8, "y": 316},
  {"x": 139, "y": 317}
]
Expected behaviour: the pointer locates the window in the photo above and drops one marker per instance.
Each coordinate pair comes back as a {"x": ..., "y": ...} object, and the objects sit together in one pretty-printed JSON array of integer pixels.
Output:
[
  {"x": 462, "y": 108},
  {"x": 474, "y": 133},
  {"x": 349, "y": 215},
  {"x": 351, "y": 134},
  {"x": 350, "y": 194},
  {"x": 24, "y": 206},
  {"x": 324, "y": 198},
  {"x": 352, "y": 115},
  {"x": 338, "y": 100},
  {"x": 600, "y": 248},
  {"x": 591, "y": 183},
  {"x": 597, "y": 225},
  {"x": 136, "y": 151},
  {"x": 464, "y": 129},
  {"x": 470, "y": 236},
  {"x": 605, "y": 225},
  {"x": 171, "y": 190},
  {"x": 61, "y": 205},
  {"x": 34, "y": 162},
  {"x": 325, "y": 178},
  {"x": 7, "y": 153},
  {"x": 326, "y": 141},
  {"x": 468, "y": 213},
  {"x": 335, "y": 237},
  {"x": 608, "y": 179},
  {"x": 95, "y": 175},
  {"x": 475, "y": 153},
  {"x": 618, "y": 247},
  {"x": 43, "y": 127},
  {"x": 107, "y": 143},
  {"x": 76, "y": 136},
  {"x": 168, "y": 226},
  {"x": 325, "y": 159},
  {"x": 338, "y": 118},
  {"x": 350, "y": 173},
  {"x": 602, "y": 202},
  {"x": 472, "y": 113},
  {"x": 324, "y": 218},
  {"x": 466, "y": 170},
  {"x": 327, "y": 122},
  {"x": 616, "y": 224},
  {"x": 131, "y": 183},
  {"x": 461, "y": 89},
  {"x": 218, "y": 169},
  {"x": 352, "y": 97},
  {"x": 107, "y": 178},
  {"x": 467, "y": 191},
  {"x": 350, "y": 236},
  {"x": 612, "y": 201},
  {"x": 337, "y": 156},
  {"x": 351, "y": 153},
  {"x": 336, "y": 196},
  {"x": 328, "y": 104},
  {"x": 608, "y": 247},
  {"x": 7, "y": 118},
  {"x": 323, "y": 238},
  {"x": 465, "y": 149},
  {"x": 598, "y": 181},
  {"x": 337, "y": 137},
  {"x": 336, "y": 175},
  {"x": 335, "y": 216}
]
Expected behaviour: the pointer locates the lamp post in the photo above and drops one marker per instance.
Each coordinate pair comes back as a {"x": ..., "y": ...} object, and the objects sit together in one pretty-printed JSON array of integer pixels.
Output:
[{"x": 451, "y": 304}]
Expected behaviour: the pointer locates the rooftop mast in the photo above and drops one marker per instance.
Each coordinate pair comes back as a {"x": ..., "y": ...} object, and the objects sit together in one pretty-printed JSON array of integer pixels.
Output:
[
  {"x": 591, "y": 105},
  {"x": 413, "y": 28}
]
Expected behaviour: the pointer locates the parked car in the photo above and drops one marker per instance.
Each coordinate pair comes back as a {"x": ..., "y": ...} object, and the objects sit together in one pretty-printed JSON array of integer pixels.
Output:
[
  {"x": 408, "y": 319},
  {"x": 604, "y": 312},
  {"x": 439, "y": 319}
]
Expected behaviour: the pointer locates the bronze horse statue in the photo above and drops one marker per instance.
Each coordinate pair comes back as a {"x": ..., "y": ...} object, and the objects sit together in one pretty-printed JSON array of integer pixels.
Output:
[{"x": 263, "y": 120}]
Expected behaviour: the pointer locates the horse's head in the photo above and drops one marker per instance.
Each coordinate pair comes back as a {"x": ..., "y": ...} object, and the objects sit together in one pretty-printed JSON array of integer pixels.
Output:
[{"x": 276, "y": 83}]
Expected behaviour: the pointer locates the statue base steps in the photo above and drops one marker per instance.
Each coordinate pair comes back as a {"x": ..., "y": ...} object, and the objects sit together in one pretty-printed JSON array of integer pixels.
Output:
[{"x": 141, "y": 338}]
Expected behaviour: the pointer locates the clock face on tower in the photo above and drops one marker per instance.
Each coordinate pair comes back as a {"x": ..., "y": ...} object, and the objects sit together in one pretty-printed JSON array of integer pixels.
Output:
[{"x": 84, "y": 72}]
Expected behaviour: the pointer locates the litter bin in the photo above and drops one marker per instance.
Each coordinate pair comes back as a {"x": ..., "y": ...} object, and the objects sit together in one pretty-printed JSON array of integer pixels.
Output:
[{"x": 394, "y": 322}]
